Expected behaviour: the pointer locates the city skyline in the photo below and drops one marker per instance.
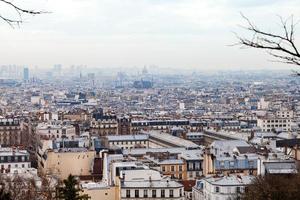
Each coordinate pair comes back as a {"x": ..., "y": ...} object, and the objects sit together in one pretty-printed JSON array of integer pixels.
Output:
[{"x": 171, "y": 34}]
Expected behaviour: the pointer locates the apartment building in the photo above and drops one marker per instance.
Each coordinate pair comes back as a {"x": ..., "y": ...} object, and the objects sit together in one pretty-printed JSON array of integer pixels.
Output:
[
  {"x": 268, "y": 124},
  {"x": 104, "y": 125},
  {"x": 99, "y": 190},
  {"x": 148, "y": 184},
  {"x": 128, "y": 141},
  {"x": 124, "y": 125},
  {"x": 221, "y": 187},
  {"x": 55, "y": 130},
  {"x": 64, "y": 157},
  {"x": 164, "y": 125},
  {"x": 10, "y": 132},
  {"x": 169, "y": 164},
  {"x": 285, "y": 113},
  {"x": 194, "y": 163},
  {"x": 276, "y": 163},
  {"x": 187, "y": 164},
  {"x": 230, "y": 157},
  {"x": 11, "y": 158}
]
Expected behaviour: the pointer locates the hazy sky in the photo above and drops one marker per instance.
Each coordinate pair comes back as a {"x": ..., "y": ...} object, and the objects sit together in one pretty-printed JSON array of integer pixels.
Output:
[{"x": 126, "y": 33}]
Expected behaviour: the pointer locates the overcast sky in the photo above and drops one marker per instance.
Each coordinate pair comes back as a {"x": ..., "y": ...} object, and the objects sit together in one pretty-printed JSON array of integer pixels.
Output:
[{"x": 124, "y": 33}]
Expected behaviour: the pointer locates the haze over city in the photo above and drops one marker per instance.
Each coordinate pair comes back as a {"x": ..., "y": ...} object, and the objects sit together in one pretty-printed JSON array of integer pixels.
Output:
[{"x": 132, "y": 33}]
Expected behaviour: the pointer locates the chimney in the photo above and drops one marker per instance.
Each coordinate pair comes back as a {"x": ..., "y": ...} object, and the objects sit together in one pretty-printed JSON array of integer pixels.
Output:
[{"x": 105, "y": 165}]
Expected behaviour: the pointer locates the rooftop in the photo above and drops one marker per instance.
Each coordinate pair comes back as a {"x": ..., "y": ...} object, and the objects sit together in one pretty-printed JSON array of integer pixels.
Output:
[
  {"x": 147, "y": 178},
  {"x": 231, "y": 180},
  {"x": 179, "y": 142},
  {"x": 127, "y": 137}
]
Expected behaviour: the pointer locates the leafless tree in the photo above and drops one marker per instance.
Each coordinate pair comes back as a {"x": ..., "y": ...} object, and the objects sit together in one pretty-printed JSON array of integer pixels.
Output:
[
  {"x": 285, "y": 187},
  {"x": 16, "y": 21},
  {"x": 20, "y": 188},
  {"x": 282, "y": 46}
]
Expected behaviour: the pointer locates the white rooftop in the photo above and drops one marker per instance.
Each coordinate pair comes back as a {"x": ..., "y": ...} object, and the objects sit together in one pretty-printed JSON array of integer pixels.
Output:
[
  {"x": 180, "y": 142},
  {"x": 231, "y": 180}
]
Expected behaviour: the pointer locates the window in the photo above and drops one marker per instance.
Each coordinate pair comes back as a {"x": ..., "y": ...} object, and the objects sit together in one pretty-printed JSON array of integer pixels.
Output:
[
  {"x": 136, "y": 194},
  {"x": 180, "y": 192},
  {"x": 197, "y": 165},
  {"x": 171, "y": 193},
  {"x": 190, "y": 166},
  {"x": 180, "y": 168},
  {"x": 251, "y": 163},
  {"x": 162, "y": 193},
  {"x": 228, "y": 190},
  {"x": 128, "y": 193},
  {"x": 238, "y": 189},
  {"x": 172, "y": 168},
  {"x": 217, "y": 189},
  {"x": 222, "y": 163},
  {"x": 153, "y": 193},
  {"x": 163, "y": 168},
  {"x": 231, "y": 164},
  {"x": 145, "y": 193}
]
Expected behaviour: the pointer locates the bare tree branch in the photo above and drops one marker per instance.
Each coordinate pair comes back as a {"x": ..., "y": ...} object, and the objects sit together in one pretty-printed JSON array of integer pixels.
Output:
[
  {"x": 19, "y": 11},
  {"x": 280, "y": 46}
]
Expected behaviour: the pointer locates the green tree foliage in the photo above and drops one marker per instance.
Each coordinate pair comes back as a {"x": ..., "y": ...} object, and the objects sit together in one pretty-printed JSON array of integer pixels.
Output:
[
  {"x": 274, "y": 187},
  {"x": 70, "y": 190}
]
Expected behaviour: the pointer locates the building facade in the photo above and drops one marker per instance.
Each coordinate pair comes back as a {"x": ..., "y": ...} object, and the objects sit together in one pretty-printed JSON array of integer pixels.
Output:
[{"x": 10, "y": 132}]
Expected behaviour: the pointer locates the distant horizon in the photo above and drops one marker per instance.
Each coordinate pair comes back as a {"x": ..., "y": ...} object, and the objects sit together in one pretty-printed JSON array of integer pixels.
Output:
[{"x": 174, "y": 34}]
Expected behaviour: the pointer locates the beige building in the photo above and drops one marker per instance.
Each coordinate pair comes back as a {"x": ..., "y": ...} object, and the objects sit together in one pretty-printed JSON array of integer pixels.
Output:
[
  {"x": 64, "y": 161},
  {"x": 100, "y": 190},
  {"x": 108, "y": 125}
]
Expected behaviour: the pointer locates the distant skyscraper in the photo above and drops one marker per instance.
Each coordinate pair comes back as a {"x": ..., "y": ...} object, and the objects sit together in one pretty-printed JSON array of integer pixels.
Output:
[
  {"x": 57, "y": 69},
  {"x": 26, "y": 74},
  {"x": 145, "y": 71}
]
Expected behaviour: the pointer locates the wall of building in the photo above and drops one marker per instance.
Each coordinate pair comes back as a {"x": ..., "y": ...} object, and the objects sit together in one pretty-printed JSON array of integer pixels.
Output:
[
  {"x": 176, "y": 193},
  {"x": 109, "y": 193},
  {"x": 267, "y": 125},
  {"x": 65, "y": 163}
]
